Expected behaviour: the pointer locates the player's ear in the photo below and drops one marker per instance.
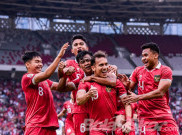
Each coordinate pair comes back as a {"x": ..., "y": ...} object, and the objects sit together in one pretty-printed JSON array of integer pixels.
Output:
[
  {"x": 93, "y": 68},
  {"x": 156, "y": 55},
  {"x": 27, "y": 64},
  {"x": 71, "y": 50}
]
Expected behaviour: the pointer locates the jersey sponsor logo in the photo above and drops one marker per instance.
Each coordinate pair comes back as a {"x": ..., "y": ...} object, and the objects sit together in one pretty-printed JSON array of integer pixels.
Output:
[
  {"x": 29, "y": 75},
  {"x": 157, "y": 78},
  {"x": 108, "y": 89}
]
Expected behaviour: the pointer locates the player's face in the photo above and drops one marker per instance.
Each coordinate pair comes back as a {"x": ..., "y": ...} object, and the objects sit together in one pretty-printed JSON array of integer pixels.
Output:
[
  {"x": 149, "y": 58},
  {"x": 35, "y": 65},
  {"x": 85, "y": 64},
  {"x": 100, "y": 67},
  {"x": 78, "y": 45}
]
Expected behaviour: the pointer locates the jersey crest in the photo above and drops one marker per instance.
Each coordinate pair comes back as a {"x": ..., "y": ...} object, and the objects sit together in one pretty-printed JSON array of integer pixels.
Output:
[
  {"x": 108, "y": 89},
  {"x": 157, "y": 78}
]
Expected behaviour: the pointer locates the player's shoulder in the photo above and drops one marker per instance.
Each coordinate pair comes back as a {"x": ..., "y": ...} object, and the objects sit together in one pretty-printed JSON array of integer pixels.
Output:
[
  {"x": 70, "y": 62},
  {"x": 27, "y": 75},
  {"x": 140, "y": 68},
  {"x": 165, "y": 68},
  {"x": 67, "y": 102}
]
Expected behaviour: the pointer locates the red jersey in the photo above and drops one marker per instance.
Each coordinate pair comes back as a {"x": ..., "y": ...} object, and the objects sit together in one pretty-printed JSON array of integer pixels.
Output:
[
  {"x": 68, "y": 105},
  {"x": 103, "y": 106},
  {"x": 147, "y": 82},
  {"x": 75, "y": 78},
  {"x": 40, "y": 107}
]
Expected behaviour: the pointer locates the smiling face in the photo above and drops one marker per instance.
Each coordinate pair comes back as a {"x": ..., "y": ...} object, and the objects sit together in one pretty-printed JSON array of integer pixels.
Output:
[
  {"x": 149, "y": 58},
  {"x": 78, "y": 45},
  {"x": 100, "y": 67},
  {"x": 35, "y": 65},
  {"x": 85, "y": 64}
]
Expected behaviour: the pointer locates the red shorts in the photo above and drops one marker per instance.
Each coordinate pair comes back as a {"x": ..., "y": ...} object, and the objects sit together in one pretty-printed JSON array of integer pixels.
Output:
[
  {"x": 69, "y": 127},
  {"x": 163, "y": 127},
  {"x": 79, "y": 125},
  {"x": 39, "y": 131}
]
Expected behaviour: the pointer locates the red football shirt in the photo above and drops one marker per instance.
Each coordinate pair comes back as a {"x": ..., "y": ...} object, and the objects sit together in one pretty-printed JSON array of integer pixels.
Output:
[
  {"x": 68, "y": 105},
  {"x": 148, "y": 81},
  {"x": 103, "y": 106},
  {"x": 75, "y": 78},
  {"x": 40, "y": 107}
]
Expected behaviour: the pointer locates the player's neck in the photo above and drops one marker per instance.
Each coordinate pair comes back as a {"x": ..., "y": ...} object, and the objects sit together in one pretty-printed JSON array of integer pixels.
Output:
[
  {"x": 154, "y": 66},
  {"x": 31, "y": 72}
]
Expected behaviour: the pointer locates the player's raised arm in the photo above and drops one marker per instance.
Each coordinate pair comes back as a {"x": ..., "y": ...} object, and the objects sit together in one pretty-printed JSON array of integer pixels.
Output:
[
  {"x": 50, "y": 70},
  {"x": 64, "y": 85}
]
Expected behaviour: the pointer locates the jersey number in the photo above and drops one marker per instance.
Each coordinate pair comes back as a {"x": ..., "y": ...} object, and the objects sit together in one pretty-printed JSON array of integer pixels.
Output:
[
  {"x": 40, "y": 91},
  {"x": 141, "y": 84},
  {"x": 95, "y": 97},
  {"x": 69, "y": 110},
  {"x": 82, "y": 127}
]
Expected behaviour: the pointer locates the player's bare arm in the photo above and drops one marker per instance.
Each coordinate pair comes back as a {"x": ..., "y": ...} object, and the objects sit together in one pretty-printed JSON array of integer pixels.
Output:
[
  {"x": 50, "y": 70},
  {"x": 126, "y": 128},
  {"x": 62, "y": 113},
  {"x": 160, "y": 92},
  {"x": 63, "y": 85},
  {"x": 83, "y": 96},
  {"x": 61, "y": 66},
  {"x": 109, "y": 81},
  {"x": 63, "y": 70}
]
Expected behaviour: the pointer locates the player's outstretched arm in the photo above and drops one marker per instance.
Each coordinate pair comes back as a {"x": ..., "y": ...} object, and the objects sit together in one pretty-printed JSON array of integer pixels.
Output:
[
  {"x": 160, "y": 92},
  {"x": 62, "y": 113},
  {"x": 126, "y": 128},
  {"x": 50, "y": 70},
  {"x": 109, "y": 81}
]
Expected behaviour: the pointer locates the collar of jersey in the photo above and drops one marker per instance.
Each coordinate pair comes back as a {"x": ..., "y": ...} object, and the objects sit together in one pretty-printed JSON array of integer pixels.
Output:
[{"x": 157, "y": 67}]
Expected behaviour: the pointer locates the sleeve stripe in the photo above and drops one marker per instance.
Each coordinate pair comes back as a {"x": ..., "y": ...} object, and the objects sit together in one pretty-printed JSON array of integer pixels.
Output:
[
  {"x": 33, "y": 81},
  {"x": 166, "y": 80},
  {"x": 81, "y": 90},
  {"x": 122, "y": 95}
]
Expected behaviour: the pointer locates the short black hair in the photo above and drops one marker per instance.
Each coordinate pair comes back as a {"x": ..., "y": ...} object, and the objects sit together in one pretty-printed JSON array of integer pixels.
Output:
[
  {"x": 153, "y": 46},
  {"x": 78, "y": 36},
  {"x": 29, "y": 55},
  {"x": 81, "y": 54},
  {"x": 98, "y": 54}
]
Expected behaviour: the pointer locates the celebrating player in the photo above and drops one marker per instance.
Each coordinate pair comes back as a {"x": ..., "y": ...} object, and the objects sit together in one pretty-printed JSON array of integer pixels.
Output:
[
  {"x": 84, "y": 61},
  {"x": 68, "y": 108},
  {"x": 101, "y": 99},
  {"x": 41, "y": 117},
  {"x": 153, "y": 81}
]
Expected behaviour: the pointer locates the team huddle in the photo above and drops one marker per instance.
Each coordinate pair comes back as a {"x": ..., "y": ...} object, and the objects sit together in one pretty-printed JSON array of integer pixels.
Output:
[{"x": 102, "y": 100}]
